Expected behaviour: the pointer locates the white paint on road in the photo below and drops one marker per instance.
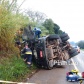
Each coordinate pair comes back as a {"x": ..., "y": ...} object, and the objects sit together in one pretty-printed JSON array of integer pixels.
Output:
[
  {"x": 74, "y": 64},
  {"x": 78, "y": 61}
]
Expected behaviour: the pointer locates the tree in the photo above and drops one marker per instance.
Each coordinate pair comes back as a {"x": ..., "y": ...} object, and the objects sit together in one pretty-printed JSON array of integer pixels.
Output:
[
  {"x": 57, "y": 29},
  {"x": 81, "y": 44},
  {"x": 43, "y": 29},
  {"x": 49, "y": 25},
  {"x": 9, "y": 24},
  {"x": 9, "y": 5},
  {"x": 60, "y": 32},
  {"x": 35, "y": 16}
]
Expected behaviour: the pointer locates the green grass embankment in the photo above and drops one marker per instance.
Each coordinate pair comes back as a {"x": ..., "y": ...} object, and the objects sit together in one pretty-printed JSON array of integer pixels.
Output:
[{"x": 14, "y": 69}]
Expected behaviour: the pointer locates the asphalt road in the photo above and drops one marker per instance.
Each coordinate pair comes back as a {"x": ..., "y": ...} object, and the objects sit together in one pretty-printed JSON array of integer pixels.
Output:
[
  {"x": 58, "y": 75},
  {"x": 79, "y": 61}
]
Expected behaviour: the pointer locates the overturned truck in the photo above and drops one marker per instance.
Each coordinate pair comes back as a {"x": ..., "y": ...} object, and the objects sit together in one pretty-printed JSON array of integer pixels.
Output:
[{"x": 51, "y": 50}]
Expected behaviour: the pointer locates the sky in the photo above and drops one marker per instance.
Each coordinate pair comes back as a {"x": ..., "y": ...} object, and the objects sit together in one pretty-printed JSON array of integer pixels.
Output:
[{"x": 68, "y": 14}]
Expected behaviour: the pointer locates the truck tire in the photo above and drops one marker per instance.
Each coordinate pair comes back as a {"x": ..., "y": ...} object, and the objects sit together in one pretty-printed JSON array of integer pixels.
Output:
[
  {"x": 65, "y": 38},
  {"x": 53, "y": 36},
  {"x": 50, "y": 64},
  {"x": 73, "y": 54},
  {"x": 63, "y": 35},
  {"x": 73, "y": 50}
]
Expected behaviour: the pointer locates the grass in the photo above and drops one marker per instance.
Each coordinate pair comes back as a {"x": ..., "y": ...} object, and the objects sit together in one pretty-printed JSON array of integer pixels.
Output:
[{"x": 14, "y": 69}]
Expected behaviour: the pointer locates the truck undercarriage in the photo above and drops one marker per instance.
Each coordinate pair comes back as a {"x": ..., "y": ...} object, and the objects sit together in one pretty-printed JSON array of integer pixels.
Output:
[{"x": 50, "y": 50}]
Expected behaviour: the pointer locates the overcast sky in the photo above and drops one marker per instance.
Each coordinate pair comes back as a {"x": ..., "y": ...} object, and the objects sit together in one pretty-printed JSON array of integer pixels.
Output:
[{"x": 68, "y": 14}]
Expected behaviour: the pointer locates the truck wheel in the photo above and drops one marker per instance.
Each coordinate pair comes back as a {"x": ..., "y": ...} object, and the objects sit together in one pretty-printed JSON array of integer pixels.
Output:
[
  {"x": 50, "y": 64},
  {"x": 65, "y": 38},
  {"x": 73, "y": 50},
  {"x": 73, "y": 54},
  {"x": 63, "y": 35},
  {"x": 53, "y": 36}
]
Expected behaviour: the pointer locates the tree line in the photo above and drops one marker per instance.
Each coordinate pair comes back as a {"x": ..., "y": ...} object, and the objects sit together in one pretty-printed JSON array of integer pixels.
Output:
[
  {"x": 81, "y": 44},
  {"x": 11, "y": 20}
]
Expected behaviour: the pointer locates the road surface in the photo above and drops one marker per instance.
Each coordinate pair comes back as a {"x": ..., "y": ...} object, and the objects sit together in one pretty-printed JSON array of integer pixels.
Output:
[
  {"x": 58, "y": 75},
  {"x": 79, "y": 61}
]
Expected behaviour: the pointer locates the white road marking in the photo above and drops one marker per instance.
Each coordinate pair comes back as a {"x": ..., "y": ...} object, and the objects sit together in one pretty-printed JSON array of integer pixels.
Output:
[{"x": 74, "y": 64}]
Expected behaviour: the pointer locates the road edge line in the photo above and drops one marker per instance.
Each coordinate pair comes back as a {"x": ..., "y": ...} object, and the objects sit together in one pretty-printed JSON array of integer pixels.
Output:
[{"x": 74, "y": 64}]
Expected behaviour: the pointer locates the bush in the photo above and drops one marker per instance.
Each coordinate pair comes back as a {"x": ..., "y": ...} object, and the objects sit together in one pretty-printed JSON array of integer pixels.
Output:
[
  {"x": 10, "y": 22},
  {"x": 13, "y": 69}
]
